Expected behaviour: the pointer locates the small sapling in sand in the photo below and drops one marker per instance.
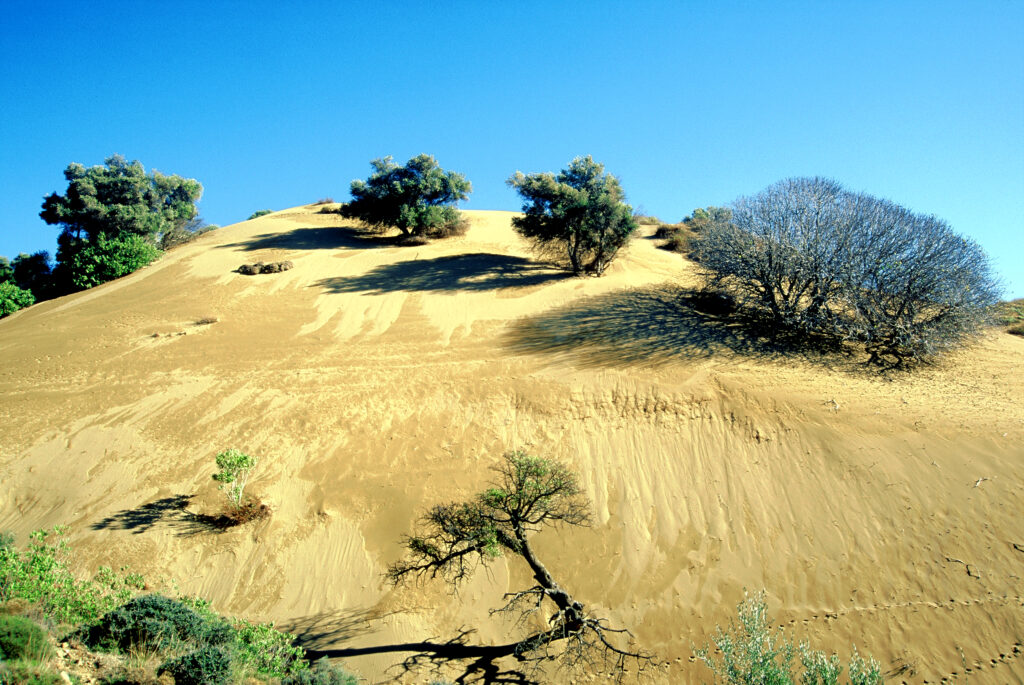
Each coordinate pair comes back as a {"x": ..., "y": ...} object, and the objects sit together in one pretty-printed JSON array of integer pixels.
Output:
[{"x": 235, "y": 467}]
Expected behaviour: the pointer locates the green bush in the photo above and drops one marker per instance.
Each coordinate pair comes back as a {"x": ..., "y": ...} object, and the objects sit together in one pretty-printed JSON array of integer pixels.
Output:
[
  {"x": 90, "y": 263},
  {"x": 322, "y": 673},
  {"x": 13, "y": 298},
  {"x": 418, "y": 199},
  {"x": 262, "y": 648},
  {"x": 21, "y": 638},
  {"x": 154, "y": 622},
  {"x": 579, "y": 213},
  {"x": 258, "y": 213},
  {"x": 205, "y": 666},
  {"x": 750, "y": 652},
  {"x": 40, "y": 574}
]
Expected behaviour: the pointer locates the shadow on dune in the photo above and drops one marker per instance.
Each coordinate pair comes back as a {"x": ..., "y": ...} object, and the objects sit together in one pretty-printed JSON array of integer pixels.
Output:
[
  {"x": 318, "y": 238},
  {"x": 479, "y": 663},
  {"x": 654, "y": 326},
  {"x": 476, "y": 271},
  {"x": 170, "y": 512}
]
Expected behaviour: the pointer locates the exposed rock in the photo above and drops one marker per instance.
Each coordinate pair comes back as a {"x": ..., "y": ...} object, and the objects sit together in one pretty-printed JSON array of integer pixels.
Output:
[{"x": 261, "y": 268}]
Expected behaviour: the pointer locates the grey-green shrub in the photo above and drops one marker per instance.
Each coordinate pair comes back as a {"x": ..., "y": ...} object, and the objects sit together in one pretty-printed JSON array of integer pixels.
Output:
[
  {"x": 750, "y": 652},
  {"x": 206, "y": 666},
  {"x": 155, "y": 622}
]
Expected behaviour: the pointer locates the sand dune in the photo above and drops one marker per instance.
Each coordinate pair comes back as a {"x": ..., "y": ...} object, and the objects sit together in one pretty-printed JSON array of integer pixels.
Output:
[{"x": 375, "y": 380}]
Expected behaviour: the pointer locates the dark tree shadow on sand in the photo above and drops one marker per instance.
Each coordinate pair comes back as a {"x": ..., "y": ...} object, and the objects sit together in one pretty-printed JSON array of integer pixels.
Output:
[
  {"x": 318, "y": 238},
  {"x": 170, "y": 512},
  {"x": 659, "y": 325},
  {"x": 477, "y": 271},
  {"x": 477, "y": 663}
]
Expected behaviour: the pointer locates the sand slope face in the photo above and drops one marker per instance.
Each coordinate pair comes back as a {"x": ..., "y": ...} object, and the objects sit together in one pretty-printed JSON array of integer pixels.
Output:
[{"x": 375, "y": 380}]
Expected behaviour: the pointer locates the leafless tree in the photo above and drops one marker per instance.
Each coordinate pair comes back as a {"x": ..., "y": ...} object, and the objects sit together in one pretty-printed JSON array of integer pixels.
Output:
[
  {"x": 818, "y": 259},
  {"x": 529, "y": 494}
]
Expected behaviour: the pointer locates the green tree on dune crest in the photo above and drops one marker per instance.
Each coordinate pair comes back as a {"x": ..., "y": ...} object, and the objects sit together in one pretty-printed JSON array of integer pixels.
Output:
[
  {"x": 418, "y": 198},
  {"x": 530, "y": 493},
  {"x": 113, "y": 217},
  {"x": 579, "y": 213}
]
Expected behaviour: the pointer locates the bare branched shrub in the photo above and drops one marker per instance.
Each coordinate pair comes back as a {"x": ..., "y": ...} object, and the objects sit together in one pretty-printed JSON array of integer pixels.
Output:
[{"x": 818, "y": 259}]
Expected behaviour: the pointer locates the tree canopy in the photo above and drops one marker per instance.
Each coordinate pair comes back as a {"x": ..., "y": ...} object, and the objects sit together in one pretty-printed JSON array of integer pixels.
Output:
[
  {"x": 113, "y": 217},
  {"x": 418, "y": 198},
  {"x": 580, "y": 212}
]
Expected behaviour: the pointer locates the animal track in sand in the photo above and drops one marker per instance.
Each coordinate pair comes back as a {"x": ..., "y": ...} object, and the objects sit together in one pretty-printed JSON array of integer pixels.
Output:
[
  {"x": 950, "y": 604},
  {"x": 978, "y": 665}
]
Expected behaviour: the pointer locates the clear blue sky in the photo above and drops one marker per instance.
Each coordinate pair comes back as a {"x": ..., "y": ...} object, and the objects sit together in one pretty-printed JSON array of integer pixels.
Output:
[{"x": 276, "y": 104}]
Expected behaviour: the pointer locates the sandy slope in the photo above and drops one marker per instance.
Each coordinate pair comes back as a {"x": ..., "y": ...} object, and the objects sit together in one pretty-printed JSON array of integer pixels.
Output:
[{"x": 376, "y": 380}]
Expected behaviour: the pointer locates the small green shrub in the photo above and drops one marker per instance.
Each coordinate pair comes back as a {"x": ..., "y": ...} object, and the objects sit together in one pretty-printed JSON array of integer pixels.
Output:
[
  {"x": 155, "y": 622},
  {"x": 21, "y": 673},
  {"x": 234, "y": 466},
  {"x": 322, "y": 673},
  {"x": 205, "y": 666},
  {"x": 262, "y": 648},
  {"x": 13, "y": 298},
  {"x": 21, "y": 638},
  {"x": 750, "y": 652},
  {"x": 258, "y": 213}
]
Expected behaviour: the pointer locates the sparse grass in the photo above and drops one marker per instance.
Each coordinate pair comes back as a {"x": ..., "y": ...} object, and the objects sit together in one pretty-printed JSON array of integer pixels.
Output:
[
  {"x": 324, "y": 201},
  {"x": 646, "y": 219},
  {"x": 677, "y": 237},
  {"x": 1010, "y": 315}
]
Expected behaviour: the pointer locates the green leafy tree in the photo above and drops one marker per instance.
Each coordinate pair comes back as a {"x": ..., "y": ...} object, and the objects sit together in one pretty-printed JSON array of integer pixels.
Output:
[
  {"x": 418, "y": 199},
  {"x": 13, "y": 298},
  {"x": 530, "y": 493},
  {"x": 6, "y": 270},
  {"x": 107, "y": 211},
  {"x": 580, "y": 212},
  {"x": 34, "y": 272},
  {"x": 235, "y": 467}
]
